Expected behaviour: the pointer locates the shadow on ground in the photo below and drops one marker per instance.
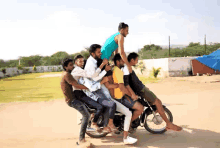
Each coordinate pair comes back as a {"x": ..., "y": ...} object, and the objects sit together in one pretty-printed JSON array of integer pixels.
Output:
[{"x": 198, "y": 139}]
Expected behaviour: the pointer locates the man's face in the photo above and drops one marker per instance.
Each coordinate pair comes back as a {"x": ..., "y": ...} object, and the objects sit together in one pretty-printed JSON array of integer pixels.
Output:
[
  {"x": 121, "y": 63},
  {"x": 69, "y": 66},
  {"x": 125, "y": 32},
  {"x": 136, "y": 61},
  {"x": 97, "y": 54},
  {"x": 80, "y": 62}
]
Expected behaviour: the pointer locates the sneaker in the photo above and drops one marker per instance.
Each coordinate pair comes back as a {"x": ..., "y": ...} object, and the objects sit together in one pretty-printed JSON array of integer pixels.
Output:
[{"x": 129, "y": 140}]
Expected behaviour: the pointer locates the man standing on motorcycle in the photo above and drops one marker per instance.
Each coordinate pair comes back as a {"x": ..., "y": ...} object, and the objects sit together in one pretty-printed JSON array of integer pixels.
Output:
[
  {"x": 134, "y": 85},
  {"x": 122, "y": 95}
]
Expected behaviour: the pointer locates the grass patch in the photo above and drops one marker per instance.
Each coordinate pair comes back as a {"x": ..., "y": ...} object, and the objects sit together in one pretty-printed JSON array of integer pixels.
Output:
[
  {"x": 29, "y": 88},
  {"x": 146, "y": 80}
]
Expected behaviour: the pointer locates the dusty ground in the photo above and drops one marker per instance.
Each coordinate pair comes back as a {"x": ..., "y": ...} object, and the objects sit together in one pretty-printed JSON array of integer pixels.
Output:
[{"x": 194, "y": 104}]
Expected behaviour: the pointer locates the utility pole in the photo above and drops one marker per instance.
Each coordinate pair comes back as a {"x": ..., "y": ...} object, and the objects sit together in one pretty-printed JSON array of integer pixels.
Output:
[
  {"x": 205, "y": 43},
  {"x": 169, "y": 46}
]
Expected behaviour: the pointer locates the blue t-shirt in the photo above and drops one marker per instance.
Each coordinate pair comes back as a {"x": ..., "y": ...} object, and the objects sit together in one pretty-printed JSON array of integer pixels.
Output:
[{"x": 109, "y": 47}]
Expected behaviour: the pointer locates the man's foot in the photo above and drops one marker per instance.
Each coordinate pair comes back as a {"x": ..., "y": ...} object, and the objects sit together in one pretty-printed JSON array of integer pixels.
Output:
[
  {"x": 113, "y": 128},
  {"x": 97, "y": 128},
  {"x": 173, "y": 127},
  {"x": 132, "y": 130},
  {"x": 106, "y": 130},
  {"x": 84, "y": 144},
  {"x": 129, "y": 140}
]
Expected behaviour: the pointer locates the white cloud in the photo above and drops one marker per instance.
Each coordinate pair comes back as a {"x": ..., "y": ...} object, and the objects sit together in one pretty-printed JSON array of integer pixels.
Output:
[
  {"x": 60, "y": 31},
  {"x": 151, "y": 17}
]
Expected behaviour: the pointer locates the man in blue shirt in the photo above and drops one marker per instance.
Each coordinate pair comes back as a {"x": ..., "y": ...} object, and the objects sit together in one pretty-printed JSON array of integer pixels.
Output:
[{"x": 115, "y": 43}]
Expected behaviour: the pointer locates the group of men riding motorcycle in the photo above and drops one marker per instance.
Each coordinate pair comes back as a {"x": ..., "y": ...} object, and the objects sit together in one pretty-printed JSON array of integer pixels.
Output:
[{"x": 108, "y": 88}]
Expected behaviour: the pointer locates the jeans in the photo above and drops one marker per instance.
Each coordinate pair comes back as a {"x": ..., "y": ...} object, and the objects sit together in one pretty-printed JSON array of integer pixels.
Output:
[
  {"x": 94, "y": 104},
  {"x": 110, "y": 106},
  {"x": 119, "y": 107},
  {"x": 80, "y": 106}
]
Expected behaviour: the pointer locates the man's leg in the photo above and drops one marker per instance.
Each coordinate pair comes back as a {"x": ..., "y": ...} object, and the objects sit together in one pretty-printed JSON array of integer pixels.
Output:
[
  {"x": 152, "y": 98},
  {"x": 111, "y": 107},
  {"x": 99, "y": 109},
  {"x": 124, "y": 110},
  {"x": 79, "y": 106},
  {"x": 136, "y": 106}
]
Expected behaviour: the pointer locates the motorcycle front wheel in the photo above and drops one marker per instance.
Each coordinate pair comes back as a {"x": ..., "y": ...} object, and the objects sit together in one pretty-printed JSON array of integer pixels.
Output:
[{"x": 156, "y": 125}]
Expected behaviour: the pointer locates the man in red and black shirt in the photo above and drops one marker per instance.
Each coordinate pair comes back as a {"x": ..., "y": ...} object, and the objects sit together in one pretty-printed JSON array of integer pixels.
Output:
[{"x": 74, "y": 98}]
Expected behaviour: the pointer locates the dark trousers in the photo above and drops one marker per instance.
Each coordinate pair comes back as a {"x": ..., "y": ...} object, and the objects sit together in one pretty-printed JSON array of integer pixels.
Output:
[{"x": 80, "y": 106}]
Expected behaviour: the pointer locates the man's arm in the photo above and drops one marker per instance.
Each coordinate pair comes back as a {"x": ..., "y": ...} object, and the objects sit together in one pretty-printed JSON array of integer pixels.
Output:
[
  {"x": 116, "y": 51},
  {"x": 122, "y": 53},
  {"x": 94, "y": 73},
  {"x": 69, "y": 79},
  {"x": 124, "y": 90},
  {"x": 110, "y": 86}
]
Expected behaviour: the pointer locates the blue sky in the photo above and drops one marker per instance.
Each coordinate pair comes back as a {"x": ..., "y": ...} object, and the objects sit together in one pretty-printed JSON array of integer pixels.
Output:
[{"x": 43, "y": 27}]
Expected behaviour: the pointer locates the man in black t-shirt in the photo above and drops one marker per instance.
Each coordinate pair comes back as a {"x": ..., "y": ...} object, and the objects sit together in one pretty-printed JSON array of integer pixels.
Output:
[{"x": 135, "y": 86}]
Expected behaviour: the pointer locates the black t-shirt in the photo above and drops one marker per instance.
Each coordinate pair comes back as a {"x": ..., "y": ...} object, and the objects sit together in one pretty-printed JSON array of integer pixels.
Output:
[{"x": 132, "y": 80}]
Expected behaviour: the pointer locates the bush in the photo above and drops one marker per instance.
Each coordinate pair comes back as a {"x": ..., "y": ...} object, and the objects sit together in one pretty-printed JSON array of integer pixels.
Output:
[
  {"x": 20, "y": 67},
  {"x": 156, "y": 72},
  {"x": 34, "y": 68},
  {"x": 141, "y": 66}
]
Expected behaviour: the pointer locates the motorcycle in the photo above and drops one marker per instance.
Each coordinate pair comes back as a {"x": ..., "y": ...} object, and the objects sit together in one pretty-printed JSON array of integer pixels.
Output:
[{"x": 148, "y": 119}]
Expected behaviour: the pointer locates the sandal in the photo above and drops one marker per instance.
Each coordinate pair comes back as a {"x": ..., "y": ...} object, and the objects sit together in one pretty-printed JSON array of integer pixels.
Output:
[
  {"x": 106, "y": 130},
  {"x": 115, "y": 130}
]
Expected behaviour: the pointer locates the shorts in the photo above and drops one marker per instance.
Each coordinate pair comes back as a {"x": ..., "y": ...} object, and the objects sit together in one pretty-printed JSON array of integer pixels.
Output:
[
  {"x": 148, "y": 95},
  {"x": 127, "y": 101}
]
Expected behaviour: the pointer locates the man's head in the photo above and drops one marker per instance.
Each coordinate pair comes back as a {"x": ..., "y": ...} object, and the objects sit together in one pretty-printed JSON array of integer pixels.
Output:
[
  {"x": 123, "y": 29},
  {"x": 67, "y": 64},
  {"x": 133, "y": 58},
  {"x": 118, "y": 61},
  {"x": 79, "y": 61},
  {"x": 95, "y": 51}
]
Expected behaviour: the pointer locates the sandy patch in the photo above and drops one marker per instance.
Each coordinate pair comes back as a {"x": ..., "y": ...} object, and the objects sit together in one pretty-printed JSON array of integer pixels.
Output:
[{"x": 195, "y": 106}]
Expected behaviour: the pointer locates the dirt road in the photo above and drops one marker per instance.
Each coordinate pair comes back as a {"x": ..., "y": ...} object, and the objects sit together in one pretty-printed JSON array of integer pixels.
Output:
[{"x": 53, "y": 124}]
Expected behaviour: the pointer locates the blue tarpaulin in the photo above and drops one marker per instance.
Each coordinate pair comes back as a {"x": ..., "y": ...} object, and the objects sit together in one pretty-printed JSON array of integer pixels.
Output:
[{"x": 212, "y": 60}]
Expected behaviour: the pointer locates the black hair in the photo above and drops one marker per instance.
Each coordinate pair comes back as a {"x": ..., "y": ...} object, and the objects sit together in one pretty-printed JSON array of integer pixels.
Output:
[
  {"x": 122, "y": 25},
  {"x": 78, "y": 57},
  {"x": 132, "y": 55},
  {"x": 117, "y": 57},
  {"x": 93, "y": 48},
  {"x": 66, "y": 62}
]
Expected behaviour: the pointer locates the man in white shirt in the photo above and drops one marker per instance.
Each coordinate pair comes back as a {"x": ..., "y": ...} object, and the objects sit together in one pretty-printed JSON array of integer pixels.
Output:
[
  {"x": 96, "y": 74},
  {"x": 82, "y": 77}
]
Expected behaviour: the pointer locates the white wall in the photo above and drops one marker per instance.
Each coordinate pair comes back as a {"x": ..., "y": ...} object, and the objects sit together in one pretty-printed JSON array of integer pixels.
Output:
[
  {"x": 179, "y": 66},
  {"x": 13, "y": 71}
]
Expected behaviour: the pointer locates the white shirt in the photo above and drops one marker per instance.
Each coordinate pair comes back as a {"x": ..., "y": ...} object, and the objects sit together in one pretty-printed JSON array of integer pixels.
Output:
[
  {"x": 81, "y": 77},
  {"x": 125, "y": 70},
  {"x": 92, "y": 69}
]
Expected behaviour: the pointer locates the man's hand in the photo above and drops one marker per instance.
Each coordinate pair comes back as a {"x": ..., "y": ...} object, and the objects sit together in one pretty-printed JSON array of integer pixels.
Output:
[
  {"x": 107, "y": 68},
  {"x": 105, "y": 61},
  {"x": 134, "y": 97}
]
